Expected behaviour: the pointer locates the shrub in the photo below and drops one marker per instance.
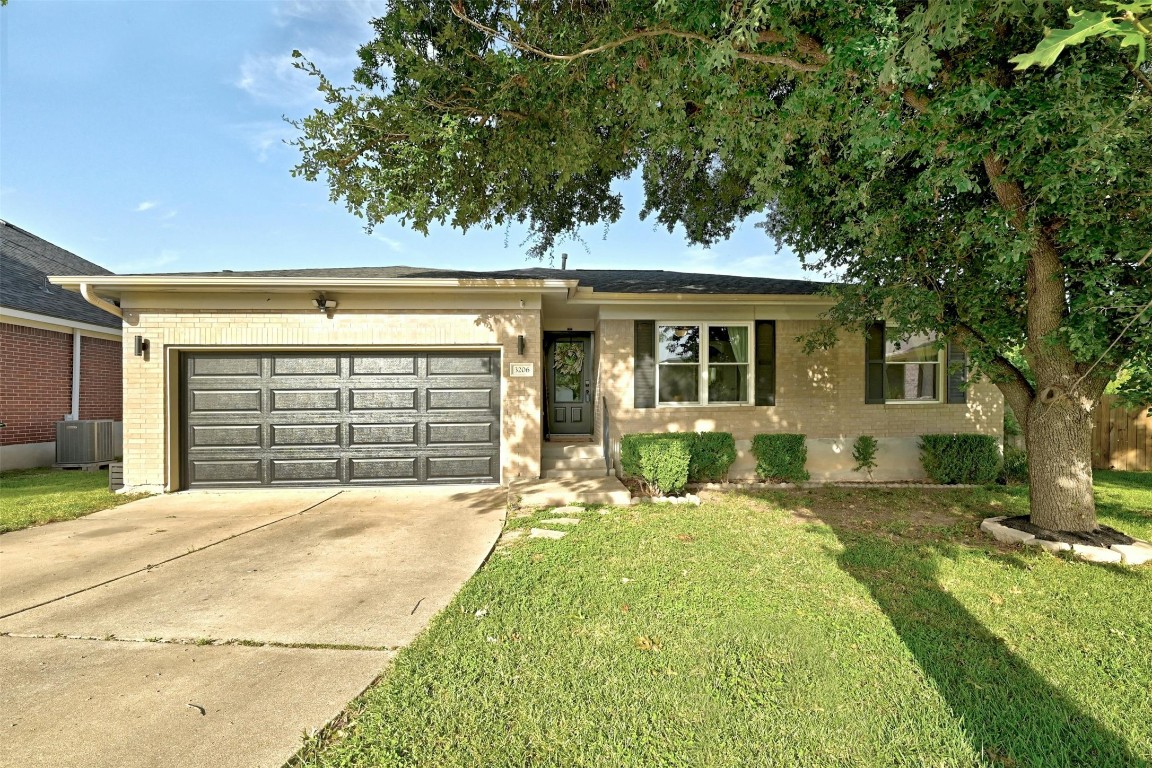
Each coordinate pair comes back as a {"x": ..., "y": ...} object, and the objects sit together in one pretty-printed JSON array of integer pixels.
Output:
[
  {"x": 713, "y": 454},
  {"x": 1015, "y": 469},
  {"x": 780, "y": 457},
  {"x": 952, "y": 459},
  {"x": 660, "y": 461},
  {"x": 864, "y": 452}
]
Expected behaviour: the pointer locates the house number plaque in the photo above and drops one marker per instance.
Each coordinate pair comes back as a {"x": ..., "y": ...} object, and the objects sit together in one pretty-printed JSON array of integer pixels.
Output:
[{"x": 521, "y": 369}]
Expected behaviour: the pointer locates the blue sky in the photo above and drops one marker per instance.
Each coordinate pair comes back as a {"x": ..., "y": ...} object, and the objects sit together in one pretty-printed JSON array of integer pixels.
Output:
[{"x": 147, "y": 136}]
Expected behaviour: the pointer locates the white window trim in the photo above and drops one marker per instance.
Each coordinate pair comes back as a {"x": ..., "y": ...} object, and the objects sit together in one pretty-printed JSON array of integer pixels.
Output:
[
  {"x": 941, "y": 375},
  {"x": 702, "y": 382}
]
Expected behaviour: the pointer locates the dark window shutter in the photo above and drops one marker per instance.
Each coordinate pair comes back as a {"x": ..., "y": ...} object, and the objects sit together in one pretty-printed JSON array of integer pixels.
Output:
[
  {"x": 765, "y": 362},
  {"x": 644, "y": 380},
  {"x": 957, "y": 374},
  {"x": 874, "y": 364}
]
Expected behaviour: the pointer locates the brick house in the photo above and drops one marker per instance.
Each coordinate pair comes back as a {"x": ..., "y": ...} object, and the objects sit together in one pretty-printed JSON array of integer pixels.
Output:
[
  {"x": 401, "y": 375},
  {"x": 60, "y": 356}
]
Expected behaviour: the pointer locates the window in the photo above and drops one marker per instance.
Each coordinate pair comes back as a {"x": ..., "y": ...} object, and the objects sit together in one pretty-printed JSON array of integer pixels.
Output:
[
  {"x": 700, "y": 363},
  {"x": 912, "y": 366}
]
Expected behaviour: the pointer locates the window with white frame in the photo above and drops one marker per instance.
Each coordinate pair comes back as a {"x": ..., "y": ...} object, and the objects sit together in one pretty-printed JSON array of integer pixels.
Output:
[
  {"x": 701, "y": 363},
  {"x": 912, "y": 367}
]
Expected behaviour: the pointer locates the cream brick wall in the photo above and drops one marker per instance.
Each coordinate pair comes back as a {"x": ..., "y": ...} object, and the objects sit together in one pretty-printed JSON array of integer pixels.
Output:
[
  {"x": 150, "y": 382},
  {"x": 819, "y": 395}
]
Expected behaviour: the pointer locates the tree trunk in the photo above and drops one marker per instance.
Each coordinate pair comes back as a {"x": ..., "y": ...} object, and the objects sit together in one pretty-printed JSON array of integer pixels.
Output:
[{"x": 1058, "y": 437}]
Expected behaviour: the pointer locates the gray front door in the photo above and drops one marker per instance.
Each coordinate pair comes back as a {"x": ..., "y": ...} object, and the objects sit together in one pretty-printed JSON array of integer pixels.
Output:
[
  {"x": 569, "y": 370},
  {"x": 340, "y": 418}
]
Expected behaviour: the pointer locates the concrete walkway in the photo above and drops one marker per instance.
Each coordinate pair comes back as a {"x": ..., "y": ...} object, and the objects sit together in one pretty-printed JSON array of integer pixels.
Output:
[{"x": 126, "y": 637}]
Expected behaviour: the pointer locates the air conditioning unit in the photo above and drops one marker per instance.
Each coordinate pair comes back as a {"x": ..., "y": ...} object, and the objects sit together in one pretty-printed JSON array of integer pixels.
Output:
[{"x": 85, "y": 442}]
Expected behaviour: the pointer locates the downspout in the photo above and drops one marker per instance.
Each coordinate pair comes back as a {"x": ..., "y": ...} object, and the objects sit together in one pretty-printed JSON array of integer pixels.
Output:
[
  {"x": 91, "y": 297},
  {"x": 75, "y": 415}
]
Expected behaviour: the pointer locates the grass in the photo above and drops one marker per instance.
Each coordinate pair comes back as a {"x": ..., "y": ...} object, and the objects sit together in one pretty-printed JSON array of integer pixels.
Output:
[
  {"x": 827, "y": 627},
  {"x": 31, "y": 497}
]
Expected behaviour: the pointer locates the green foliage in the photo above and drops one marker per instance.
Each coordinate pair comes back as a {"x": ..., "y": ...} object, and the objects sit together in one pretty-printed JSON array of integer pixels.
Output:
[
  {"x": 1011, "y": 423},
  {"x": 864, "y": 451},
  {"x": 1133, "y": 387},
  {"x": 1123, "y": 23},
  {"x": 780, "y": 457},
  {"x": 952, "y": 459},
  {"x": 712, "y": 456},
  {"x": 1014, "y": 469},
  {"x": 660, "y": 461}
]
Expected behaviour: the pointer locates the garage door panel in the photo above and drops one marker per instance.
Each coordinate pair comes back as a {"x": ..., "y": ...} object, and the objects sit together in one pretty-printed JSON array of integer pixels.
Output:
[
  {"x": 232, "y": 435},
  {"x": 383, "y": 399},
  {"x": 384, "y": 365},
  {"x": 459, "y": 399},
  {"x": 341, "y": 418},
  {"x": 379, "y": 469},
  {"x": 305, "y": 434},
  {"x": 323, "y": 470},
  {"x": 451, "y": 433},
  {"x": 225, "y": 400},
  {"x": 400, "y": 434},
  {"x": 240, "y": 471},
  {"x": 300, "y": 365},
  {"x": 444, "y": 364},
  {"x": 305, "y": 400},
  {"x": 444, "y": 468}
]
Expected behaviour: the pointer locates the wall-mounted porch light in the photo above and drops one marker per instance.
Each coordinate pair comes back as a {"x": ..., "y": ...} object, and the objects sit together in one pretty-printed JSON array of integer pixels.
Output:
[
  {"x": 324, "y": 304},
  {"x": 520, "y": 343},
  {"x": 141, "y": 346}
]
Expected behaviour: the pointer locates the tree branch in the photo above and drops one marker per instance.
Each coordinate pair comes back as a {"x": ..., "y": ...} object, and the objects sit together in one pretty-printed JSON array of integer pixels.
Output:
[
  {"x": 1012, "y": 383},
  {"x": 640, "y": 34}
]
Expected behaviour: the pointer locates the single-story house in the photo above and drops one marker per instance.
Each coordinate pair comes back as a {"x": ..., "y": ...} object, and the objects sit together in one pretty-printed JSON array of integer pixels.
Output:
[
  {"x": 59, "y": 355},
  {"x": 394, "y": 375}
]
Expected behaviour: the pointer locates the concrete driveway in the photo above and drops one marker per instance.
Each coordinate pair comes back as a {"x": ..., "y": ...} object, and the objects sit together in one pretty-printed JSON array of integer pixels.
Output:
[{"x": 212, "y": 629}]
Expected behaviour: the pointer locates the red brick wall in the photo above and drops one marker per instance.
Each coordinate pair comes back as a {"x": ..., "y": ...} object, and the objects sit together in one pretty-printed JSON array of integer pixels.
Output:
[
  {"x": 100, "y": 382},
  {"x": 36, "y": 382}
]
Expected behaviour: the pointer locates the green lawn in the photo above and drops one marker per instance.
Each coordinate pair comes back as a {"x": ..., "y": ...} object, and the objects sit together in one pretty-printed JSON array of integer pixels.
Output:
[
  {"x": 36, "y": 496},
  {"x": 830, "y": 627}
]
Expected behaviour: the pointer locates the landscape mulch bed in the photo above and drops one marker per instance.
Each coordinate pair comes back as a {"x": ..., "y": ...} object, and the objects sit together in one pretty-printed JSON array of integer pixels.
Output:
[{"x": 1101, "y": 537}]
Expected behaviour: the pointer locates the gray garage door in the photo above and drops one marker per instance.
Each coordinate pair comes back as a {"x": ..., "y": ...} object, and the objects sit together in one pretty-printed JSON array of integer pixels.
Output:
[{"x": 351, "y": 418}]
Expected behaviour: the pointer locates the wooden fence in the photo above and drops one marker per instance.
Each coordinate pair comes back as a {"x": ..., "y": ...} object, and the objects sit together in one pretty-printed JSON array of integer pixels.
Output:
[{"x": 1121, "y": 438}]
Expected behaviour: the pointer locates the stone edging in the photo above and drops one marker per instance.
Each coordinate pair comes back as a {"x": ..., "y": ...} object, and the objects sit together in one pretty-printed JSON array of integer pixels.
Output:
[
  {"x": 1136, "y": 553},
  {"x": 829, "y": 484}
]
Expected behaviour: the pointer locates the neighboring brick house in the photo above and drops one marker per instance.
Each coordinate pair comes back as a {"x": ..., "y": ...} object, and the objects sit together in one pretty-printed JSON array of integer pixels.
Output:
[
  {"x": 401, "y": 375},
  {"x": 46, "y": 331}
]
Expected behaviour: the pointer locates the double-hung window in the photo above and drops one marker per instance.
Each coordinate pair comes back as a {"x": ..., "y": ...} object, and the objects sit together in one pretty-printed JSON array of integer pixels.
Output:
[
  {"x": 701, "y": 363},
  {"x": 912, "y": 367}
]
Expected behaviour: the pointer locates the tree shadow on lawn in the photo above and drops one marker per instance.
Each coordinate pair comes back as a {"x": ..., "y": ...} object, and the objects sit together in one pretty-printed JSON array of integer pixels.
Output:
[{"x": 1010, "y": 714}]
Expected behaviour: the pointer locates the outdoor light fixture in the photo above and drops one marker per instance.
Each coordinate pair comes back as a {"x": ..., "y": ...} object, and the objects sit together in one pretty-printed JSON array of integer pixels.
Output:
[
  {"x": 520, "y": 343},
  {"x": 141, "y": 346},
  {"x": 324, "y": 304}
]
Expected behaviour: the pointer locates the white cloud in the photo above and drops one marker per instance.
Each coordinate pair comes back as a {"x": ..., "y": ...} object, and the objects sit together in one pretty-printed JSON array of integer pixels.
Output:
[
  {"x": 264, "y": 137},
  {"x": 393, "y": 245},
  {"x": 146, "y": 263},
  {"x": 147, "y": 205}
]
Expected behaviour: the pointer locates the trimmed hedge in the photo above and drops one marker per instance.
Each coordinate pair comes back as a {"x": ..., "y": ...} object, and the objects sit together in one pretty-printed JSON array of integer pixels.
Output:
[
  {"x": 780, "y": 457},
  {"x": 713, "y": 454},
  {"x": 659, "y": 460},
  {"x": 1015, "y": 469},
  {"x": 952, "y": 459}
]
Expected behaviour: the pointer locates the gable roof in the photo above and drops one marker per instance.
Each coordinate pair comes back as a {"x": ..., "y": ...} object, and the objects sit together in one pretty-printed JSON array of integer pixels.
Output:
[
  {"x": 25, "y": 263},
  {"x": 634, "y": 281}
]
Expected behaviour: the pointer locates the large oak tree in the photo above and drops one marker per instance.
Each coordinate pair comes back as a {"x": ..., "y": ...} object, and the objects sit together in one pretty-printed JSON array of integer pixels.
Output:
[{"x": 889, "y": 141}]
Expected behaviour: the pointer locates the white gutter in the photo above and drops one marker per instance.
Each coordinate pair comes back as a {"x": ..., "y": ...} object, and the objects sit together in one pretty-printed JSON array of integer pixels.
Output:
[
  {"x": 75, "y": 376},
  {"x": 91, "y": 297},
  {"x": 111, "y": 283},
  {"x": 58, "y": 324}
]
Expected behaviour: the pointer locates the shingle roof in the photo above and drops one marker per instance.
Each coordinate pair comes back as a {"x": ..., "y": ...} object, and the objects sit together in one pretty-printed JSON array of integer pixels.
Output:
[
  {"x": 26, "y": 261},
  {"x": 602, "y": 280}
]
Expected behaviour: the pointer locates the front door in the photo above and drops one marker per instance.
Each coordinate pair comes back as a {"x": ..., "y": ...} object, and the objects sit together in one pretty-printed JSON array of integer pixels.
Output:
[{"x": 569, "y": 373}]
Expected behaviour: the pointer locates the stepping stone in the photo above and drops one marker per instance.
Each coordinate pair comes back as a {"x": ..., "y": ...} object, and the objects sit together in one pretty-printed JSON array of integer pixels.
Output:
[
  {"x": 543, "y": 533},
  {"x": 561, "y": 521},
  {"x": 1095, "y": 554},
  {"x": 1137, "y": 553},
  {"x": 566, "y": 510}
]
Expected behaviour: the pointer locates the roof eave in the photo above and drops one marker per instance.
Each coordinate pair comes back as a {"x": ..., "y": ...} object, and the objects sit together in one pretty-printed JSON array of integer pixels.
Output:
[{"x": 114, "y": 285}]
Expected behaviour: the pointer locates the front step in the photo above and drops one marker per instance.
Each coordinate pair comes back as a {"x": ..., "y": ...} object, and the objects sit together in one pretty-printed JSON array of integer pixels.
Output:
[
  {"x": 585, "y": 472},
  {"x": 573, "y": 451},
  {"x": 575, "y": 490}
]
